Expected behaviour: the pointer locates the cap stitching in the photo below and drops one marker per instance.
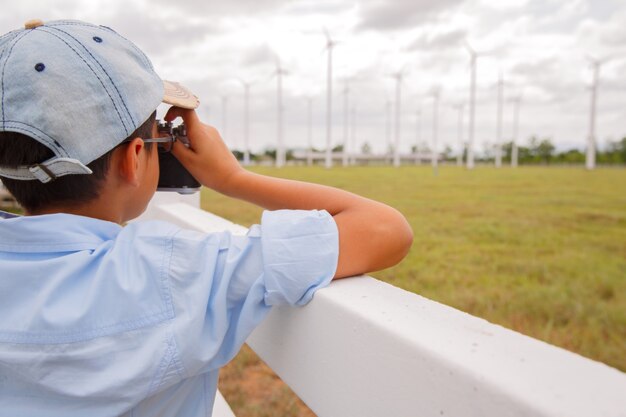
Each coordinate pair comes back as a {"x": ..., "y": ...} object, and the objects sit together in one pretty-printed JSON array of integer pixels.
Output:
[
  {"x": 15, "y": 41},
  {"x": 94, "y": 73},
  {"x": 132, "y": 120},
  {"x": 13, "y": 32}
]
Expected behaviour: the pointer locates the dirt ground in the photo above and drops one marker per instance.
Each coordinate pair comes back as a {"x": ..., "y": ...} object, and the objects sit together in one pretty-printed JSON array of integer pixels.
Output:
[{"x": 252, "y": 389}]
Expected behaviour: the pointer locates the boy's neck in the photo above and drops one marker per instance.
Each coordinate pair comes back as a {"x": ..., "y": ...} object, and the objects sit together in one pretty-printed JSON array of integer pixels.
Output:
[
  {"x": 101, "y": 213},
  {"x": 109, "y": 206}
]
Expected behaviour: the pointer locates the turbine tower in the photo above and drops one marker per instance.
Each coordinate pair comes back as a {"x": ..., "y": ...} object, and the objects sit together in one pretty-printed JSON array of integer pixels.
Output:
[
  {"x": 246, "y": 130},
  {"x": 346, "y": 117},
  {"x": 596, "y": 64},
  {"x": 309, "y": 154},
  {"x": 472, "y": 103},
  {"x": 498, "y": 155},
  {"x": 434, "y": 159},
  {"x": 388, "y": 105},
  {"x": 353, "y": 148},
  {"x": 225, "y": 119},
  {"x": 517, "y": 101},
  {"x": 280, "y": 146},
  {"x": 396, "y": 148},
  {"x": 418, "y": 134},
  {"x": 459, "y": 133},
  {"x": 330, "y": 44}
]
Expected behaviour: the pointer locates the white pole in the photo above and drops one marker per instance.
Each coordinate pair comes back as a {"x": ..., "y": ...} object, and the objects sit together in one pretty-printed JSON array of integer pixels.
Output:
[
  {"x": 329, "y": 94},
  {"x": 225, "y": 120},
  {"x": 396, "y": 150},
  {"x": 418, "y": 136},
  {"x": 346, "y": 116},
  {"x": 246, "y": 155},
  {"x": 388, "y": 127},
  {"x": 353, "y": 151},
  {"x": 280, "y": 151},
  {"x": 309, "y": 159},
  {"x": 459, "y": 133},
  {"x": 472, "y": 109},
  {"x": 499, "y": 123},
  {"x": 514, "y": 153},
  {"x": 590, "y": 162},
  {"x": 434, "y": 155}
]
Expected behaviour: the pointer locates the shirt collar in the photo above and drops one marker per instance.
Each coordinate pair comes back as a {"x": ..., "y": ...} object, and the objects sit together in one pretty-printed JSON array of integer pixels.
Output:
[{"x": 55, "y": 233}]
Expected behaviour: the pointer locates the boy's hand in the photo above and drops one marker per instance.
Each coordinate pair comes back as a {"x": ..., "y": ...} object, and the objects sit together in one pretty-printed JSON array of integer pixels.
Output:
[{"x": 208, "y": 158}]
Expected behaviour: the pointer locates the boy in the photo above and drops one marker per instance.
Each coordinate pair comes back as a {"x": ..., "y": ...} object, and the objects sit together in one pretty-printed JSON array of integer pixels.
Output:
[{"x": 99, "y": 319}]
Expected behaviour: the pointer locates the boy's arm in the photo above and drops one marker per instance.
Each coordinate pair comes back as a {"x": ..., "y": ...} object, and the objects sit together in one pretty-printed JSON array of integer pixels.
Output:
[{"x": 372, "y": 235}]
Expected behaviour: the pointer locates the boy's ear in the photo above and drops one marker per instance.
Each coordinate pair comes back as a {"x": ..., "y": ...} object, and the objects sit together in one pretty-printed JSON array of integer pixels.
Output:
[{"x": 129, "y": 161}]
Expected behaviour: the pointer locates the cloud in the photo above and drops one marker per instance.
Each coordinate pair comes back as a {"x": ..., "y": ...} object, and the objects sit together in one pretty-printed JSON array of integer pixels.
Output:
[
  {"x": 441, "y": 40},
  {"x": 261, "y": 54},
  {"x": 613, "y": 32},
  {"x": 154, "y": 33},
  {"x": 547, "y": 78},
  {"x": 309, "y": 7},
  {"x": 384, "y": 15},
  {"x": 221, "y": 8}
]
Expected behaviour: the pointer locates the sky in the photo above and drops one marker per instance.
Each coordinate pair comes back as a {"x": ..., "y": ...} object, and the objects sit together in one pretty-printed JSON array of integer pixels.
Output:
[{"x": 540, "y": 47}]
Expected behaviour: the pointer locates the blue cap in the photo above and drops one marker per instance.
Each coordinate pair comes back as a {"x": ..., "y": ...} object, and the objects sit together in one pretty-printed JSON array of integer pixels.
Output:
[{"x": 79, "y": 89}]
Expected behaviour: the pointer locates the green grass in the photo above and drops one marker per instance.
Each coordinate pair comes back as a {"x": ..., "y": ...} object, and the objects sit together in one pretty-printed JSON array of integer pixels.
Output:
[{"x": 538, "y": 250}]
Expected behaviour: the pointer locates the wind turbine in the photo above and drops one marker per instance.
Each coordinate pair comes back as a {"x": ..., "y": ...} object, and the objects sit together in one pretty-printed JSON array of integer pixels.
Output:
[
  {"x": 498, "y": 155},
  {"x": 472, "y": 103},
  {"x": 353, "y": 148},
  {"x": 595, "y": 64},
  {"x": 309, "y": 159},
  {"x": 388, "y": 105},
  {"x": 434, "y": 154},
  {"x": 280, "y": 149},
  {"x": 330, "y": 44},
  {"x": 246, "y": 137},
  {"x": 225, "y": 119},
  {"x": 346, "y": 116},
  {"x": 517, "y": 101},
  {"x": 398, "y": 76},
  {"x": 460, "y": 108},
  {"x": 418, "y": 135}
]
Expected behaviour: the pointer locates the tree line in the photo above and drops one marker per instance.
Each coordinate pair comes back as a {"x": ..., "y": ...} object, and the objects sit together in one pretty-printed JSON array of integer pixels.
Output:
[
  {"x": 536, "y": 152},
  {"x": 543, "y": 151}
]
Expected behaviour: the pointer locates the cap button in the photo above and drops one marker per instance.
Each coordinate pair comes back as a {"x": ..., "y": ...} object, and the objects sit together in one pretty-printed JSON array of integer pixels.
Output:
[{"x": 33, "y": 23}]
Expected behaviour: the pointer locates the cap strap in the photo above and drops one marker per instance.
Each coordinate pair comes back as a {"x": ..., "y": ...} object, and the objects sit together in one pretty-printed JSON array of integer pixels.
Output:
[{"x": 46, "y": 171}]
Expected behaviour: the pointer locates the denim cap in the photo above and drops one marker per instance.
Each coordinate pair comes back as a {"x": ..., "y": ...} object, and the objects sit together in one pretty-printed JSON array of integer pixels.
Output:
[{"x": 79, "y": 89}]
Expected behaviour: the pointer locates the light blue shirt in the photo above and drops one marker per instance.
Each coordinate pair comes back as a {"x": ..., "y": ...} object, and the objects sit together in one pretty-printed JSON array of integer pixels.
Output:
[{"x": 101, "y": 320}]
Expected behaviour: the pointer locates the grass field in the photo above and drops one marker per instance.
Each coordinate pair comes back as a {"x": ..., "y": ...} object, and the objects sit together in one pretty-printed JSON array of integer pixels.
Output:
[{"x": 538, "y": 250}]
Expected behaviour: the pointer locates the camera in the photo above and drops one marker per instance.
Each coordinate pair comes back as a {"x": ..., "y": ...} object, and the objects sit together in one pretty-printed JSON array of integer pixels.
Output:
[{"x": 172, "y": 174}]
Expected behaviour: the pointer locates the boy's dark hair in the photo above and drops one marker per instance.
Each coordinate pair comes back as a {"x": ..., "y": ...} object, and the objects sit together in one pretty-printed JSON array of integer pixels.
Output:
[{"x": 17, "y": 149}]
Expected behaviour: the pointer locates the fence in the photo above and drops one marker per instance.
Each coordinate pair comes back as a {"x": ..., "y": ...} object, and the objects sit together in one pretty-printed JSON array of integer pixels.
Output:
[{"x": 365, "y": 348}]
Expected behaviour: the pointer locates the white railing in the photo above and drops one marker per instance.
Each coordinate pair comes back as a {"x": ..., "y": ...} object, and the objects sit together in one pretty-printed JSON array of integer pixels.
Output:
[{"x": 365, "y": 348}]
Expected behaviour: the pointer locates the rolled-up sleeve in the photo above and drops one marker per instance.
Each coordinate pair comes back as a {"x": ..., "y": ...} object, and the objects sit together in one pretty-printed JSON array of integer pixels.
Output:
[
  {"x": 224, "y": 285},
  {"x": 300, "y": 252}
]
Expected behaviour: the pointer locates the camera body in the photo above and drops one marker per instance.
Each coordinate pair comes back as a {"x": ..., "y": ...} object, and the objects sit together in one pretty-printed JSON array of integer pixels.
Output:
[{"x": 172, "y": 174}]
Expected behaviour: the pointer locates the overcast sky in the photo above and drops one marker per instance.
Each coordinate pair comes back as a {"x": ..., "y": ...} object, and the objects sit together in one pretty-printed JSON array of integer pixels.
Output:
[{"x": 538, "y": 45}]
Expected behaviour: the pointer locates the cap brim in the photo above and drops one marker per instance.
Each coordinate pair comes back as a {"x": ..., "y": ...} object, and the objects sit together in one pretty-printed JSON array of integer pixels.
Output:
[{"x": 179, "y": 96}]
